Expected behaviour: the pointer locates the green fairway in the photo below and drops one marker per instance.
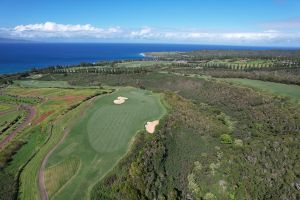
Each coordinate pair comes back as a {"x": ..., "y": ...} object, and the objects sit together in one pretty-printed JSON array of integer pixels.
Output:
[
  {"x": 100, "y": 138},
  {"x": 43, "y": 84},
  {"x": 277, "y": 88}
]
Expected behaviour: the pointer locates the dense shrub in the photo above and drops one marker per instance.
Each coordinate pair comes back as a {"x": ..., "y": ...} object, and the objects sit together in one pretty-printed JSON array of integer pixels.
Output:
[
  {"x": 263, "y": 164},
  {"x": 225, "y": 139}
]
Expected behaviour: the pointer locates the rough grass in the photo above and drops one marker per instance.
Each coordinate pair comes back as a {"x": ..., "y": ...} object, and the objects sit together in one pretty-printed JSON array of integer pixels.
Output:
[
  {"x": 277, "y": 88},
  {"x": 58, "y": 175},
  {"x": 102, "y": 136},
  {"x": 43, "y": 84},
  {"x": 9, "y": 122},
  {"x": 4, "y": 107},
  {"x": 8, "y": 117}
]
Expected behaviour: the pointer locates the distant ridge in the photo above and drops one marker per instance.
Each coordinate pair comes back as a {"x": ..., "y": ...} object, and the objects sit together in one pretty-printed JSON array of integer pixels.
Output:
[{"x": 10, "y": 40}]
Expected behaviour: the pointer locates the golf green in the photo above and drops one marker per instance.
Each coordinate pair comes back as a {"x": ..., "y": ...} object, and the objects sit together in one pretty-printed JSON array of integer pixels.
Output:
[{"x": 99, "y": 140}]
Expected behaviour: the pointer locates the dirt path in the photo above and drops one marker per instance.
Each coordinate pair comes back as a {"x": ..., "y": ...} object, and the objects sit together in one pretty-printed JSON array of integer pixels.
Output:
[
  {"x": 31, "y": 113},
  {"x": 41, "y": 175},
  {"x": 42, "y": 186}
]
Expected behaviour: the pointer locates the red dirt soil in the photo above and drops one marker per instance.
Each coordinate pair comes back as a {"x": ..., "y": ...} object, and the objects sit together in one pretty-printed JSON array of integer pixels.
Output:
[
  {"x": 69, "y": 99},
  {"x": 43, "y": 117}
]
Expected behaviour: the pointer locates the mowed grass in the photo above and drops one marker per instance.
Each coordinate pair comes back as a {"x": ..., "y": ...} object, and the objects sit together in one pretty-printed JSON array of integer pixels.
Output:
[
  {"x": 43, "y": 84},
  {"x": 53, "y": 175},
  {"x": 103, "y": 136},
  {"x": 292, "y": 91}
]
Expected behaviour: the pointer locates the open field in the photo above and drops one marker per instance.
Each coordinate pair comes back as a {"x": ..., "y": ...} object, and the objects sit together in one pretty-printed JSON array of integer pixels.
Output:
[
  {"x": 4, "y": 107},
  {"x": 9, "y": 121},
  {"x": 143, "y": 64},
  {"x": 114, "y": 67},
  {"x": 21, "y": 122},
  {"x": 8, "y": 117},
  {"x": 102, "y": 136},
  {"x": 43, "y": 84}
]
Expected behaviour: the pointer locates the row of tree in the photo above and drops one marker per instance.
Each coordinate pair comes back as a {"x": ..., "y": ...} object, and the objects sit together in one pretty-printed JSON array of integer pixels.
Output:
[
  {"x": 237, "y": 66},
  {"x": 103, "y": 70}
]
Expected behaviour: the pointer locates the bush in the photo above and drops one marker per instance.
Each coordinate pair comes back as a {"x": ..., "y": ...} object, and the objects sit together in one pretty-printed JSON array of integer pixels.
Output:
[{"x": 225, "y": 139}]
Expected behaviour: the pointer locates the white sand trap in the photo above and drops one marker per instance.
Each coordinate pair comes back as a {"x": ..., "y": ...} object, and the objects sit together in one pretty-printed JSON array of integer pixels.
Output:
[
  {"x": 120, "y": 100},
  {"x": 150, "y": 126}
]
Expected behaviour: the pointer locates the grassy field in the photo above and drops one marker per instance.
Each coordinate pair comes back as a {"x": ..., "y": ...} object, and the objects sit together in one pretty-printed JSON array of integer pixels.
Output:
[
  {"x": 43, "y": 84},
  {"x": 143, "y": 64},
  {"x": 54, "y": 179},
  {"x": 4, "y": 107},
  {"x": 100, "y": 138},
  {"x": 292, "y": 91},
  {"x": 9, "y": 121}
]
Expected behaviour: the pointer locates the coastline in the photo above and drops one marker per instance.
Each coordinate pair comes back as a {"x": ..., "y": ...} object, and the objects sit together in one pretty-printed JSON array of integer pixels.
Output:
[{"x": 43, "y": 55}]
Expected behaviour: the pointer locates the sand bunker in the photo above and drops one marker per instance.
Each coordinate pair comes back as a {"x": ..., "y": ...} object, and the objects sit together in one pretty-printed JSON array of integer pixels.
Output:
[
  {"x": 120, "y": 100},
  {"x": 150, "y": 126}
]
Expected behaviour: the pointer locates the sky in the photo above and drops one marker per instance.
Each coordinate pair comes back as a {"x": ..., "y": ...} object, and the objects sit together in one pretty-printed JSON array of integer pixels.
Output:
[{"x": 233, "y": 22}]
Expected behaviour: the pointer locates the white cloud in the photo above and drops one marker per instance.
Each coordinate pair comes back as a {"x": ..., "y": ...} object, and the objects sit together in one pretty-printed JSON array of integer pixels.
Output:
[
  {"x": 52, "y": 30},
  {"x": 144, "y": 32},
  {"x": 51, "y": 26}
]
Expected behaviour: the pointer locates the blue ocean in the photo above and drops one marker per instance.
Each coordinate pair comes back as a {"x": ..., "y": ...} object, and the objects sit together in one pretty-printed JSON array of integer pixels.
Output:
[{"x": 18, "y": 57}]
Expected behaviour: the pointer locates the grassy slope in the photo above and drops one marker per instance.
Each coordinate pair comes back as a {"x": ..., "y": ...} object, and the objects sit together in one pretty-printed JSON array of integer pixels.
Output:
[
  {"x": 43, "y": 84},
  {"x": 102, "y": 136},
  {"x": 278, "y": 88},
  {"x": 10, "y": 120},
  {"x": 29, "y": 187},
  {"x": 54, "y": 180},
  {"x": 56, "y": 101},
  {"x": 288, "y": 90},
  {"x": 8, "y": 117}
]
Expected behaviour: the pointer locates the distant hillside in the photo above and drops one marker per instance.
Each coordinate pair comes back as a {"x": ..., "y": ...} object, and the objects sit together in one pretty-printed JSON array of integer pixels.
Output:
[{"x": 9, "y": 40}]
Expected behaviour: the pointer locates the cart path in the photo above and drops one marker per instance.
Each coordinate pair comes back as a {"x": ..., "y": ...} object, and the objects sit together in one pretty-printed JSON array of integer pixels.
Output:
[{"x": 41, "y": 176}]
